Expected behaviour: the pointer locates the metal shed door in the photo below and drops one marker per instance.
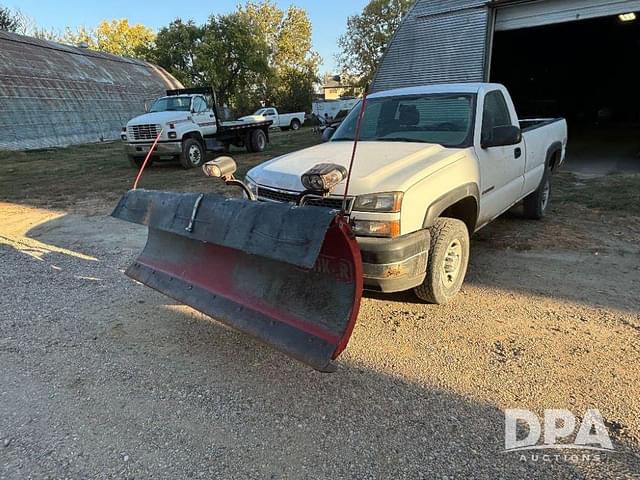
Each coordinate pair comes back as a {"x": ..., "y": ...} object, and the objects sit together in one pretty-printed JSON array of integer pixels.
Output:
[
  {"x": 546, "y": 12},
  {"x": 436, "y": 47}
]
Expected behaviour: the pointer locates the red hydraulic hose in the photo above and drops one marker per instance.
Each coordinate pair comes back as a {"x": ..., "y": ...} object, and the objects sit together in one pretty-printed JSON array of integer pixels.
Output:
[{"x": 146, "y": 160}]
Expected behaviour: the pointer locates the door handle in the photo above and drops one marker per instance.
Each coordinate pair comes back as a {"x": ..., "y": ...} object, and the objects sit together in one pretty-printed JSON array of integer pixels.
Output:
[{"x": 517, "y": 152}]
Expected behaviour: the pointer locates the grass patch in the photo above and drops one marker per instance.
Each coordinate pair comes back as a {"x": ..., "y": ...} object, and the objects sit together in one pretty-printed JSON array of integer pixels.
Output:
[
  {"x": 91, "y": 178},
  {"x": 614, "y": 192}
]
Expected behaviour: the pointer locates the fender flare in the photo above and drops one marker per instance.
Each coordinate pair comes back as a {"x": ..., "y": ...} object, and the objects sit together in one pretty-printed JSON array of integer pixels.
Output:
[
  {"x": 450, "y": 198},
  {"x": 554, "y": 148},
  {"x": 192, "y": 134}
]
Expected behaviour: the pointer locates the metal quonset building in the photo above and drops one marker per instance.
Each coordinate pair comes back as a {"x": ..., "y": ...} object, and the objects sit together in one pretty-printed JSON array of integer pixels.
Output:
[
  {"x": 54, "y": 95},
  {"x": 571, "y": 58}
]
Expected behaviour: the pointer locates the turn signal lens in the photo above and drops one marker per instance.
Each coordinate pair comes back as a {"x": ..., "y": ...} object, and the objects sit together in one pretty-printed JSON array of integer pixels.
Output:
[{"x": 376, "y": 228}]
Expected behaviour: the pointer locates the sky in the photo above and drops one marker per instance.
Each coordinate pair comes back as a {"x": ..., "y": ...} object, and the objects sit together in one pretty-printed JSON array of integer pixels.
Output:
[{"x": 329, "y": 17}]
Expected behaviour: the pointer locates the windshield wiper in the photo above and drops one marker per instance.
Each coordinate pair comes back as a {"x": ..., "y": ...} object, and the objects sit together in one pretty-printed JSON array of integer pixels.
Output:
[
  {"x": 342, "y": 139},
  {"x": 401, "y": 139}
]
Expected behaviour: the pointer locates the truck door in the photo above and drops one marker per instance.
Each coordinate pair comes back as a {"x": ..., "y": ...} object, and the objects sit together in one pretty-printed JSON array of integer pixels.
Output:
[
  {"x": 271, "y": 114},
  {"x": 203, "y": 116},
  {"x": 501, "y": 168}
]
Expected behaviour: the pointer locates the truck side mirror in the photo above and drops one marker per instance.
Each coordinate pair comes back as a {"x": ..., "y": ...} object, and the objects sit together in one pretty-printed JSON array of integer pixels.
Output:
[
  {"x": 328, "y": 133},
  {"x": 502, "y": 136}
]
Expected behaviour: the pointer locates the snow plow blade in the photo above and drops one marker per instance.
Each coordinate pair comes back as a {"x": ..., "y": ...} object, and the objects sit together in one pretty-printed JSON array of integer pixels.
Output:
[{"x": 289, "y": 276}]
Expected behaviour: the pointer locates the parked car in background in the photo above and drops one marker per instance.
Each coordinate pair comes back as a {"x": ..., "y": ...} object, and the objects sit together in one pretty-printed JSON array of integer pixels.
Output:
[
  {"x": 286, "y": 121},
  {"x": 190, "y": 125},
  {"x": 434, "y": 165}
]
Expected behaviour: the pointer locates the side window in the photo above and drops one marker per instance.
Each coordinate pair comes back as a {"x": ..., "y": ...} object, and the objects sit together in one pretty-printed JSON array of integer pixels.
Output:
[
  {"x": 495, "y": 113},
  {"x": 270, "y": 113},
  {"x": 199, "y": 105}
]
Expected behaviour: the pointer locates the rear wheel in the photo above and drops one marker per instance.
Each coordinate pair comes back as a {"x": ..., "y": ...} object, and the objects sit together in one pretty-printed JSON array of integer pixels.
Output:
[
  {"x": 256, "y": 141},
  {"x": 193, "y": 153},
  {"x": 537, "y": 203},
  {"x": 448, "y": 260},
  {"x": 295, "y": 124}
]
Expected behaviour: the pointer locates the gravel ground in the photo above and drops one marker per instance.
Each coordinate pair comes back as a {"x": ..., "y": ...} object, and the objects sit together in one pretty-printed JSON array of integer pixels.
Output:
[{"x": 104, "y": 378}]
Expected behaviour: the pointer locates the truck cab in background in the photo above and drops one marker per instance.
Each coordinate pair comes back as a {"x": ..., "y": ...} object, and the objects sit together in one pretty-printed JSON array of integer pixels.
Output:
[
  {"x": 187, "y": 125},
  {"x": 286, "y": 121}
]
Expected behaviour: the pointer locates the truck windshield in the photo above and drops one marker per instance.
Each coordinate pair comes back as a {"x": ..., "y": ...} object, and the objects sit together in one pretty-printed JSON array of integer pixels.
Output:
[
  {"x": 171, "y": 104},
  {"x": 445, "y": 119}
]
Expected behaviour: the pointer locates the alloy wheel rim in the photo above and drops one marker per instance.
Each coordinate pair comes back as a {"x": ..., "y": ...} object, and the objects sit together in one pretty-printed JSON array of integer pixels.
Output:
[
  {"x": 452, "y": 263},
  {"x": 194, "y": 155},
  {"x": 545, "y": 195}
]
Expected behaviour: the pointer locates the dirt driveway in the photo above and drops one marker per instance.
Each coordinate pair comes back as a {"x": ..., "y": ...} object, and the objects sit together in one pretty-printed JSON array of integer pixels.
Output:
[{"x": 104, "y": 378}]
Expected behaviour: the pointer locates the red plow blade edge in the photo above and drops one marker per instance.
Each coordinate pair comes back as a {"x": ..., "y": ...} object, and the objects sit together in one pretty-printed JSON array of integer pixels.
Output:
[{"x": 289, "y": 276}]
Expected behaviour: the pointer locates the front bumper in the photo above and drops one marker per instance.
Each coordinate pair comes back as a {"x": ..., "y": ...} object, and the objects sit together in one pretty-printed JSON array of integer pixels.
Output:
[
  {"x": 395, "y": 264},
  {"x": 140, "y": 149}
]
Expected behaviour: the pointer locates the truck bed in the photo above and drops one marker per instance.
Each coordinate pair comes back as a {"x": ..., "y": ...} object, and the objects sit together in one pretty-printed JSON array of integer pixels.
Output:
[
  {"x": 529, "y": 124},
  {"x": 237, "y": 125}
]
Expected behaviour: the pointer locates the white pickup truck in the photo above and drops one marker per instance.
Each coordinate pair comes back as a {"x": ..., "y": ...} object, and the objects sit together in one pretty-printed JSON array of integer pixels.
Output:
[
  {"x": 286, "y": 121},
  {"x": 189, "y": 124},
  {"x": 434, "y": 165}
]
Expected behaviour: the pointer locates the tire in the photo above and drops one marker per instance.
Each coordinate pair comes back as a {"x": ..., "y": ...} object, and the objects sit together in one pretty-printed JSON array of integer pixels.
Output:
[
  {"x": 295, "y": 124},
  {"x": 448, "y": 260},
  {"x": 257, "y": 141},
  {"x": 537, "y": 203},
  {"x": 136, "y": 162},
  {"x": 193, "y": 154}
]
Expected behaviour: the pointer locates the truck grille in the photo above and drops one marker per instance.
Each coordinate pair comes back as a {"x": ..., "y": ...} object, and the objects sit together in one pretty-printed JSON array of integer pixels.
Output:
[
  {"x": 143, "y": 132},
  {"x": 271, "y": 195}
]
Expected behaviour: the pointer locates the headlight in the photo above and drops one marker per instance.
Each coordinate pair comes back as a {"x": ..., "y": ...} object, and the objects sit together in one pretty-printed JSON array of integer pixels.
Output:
[
  {"x": 376, "y": 228},
  {"x": 253, "y": 186},
  {"x": 379, "y": 202}
]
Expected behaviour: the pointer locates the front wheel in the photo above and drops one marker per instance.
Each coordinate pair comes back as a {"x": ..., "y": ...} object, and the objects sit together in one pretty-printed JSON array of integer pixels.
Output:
[
  {"x": 193, "y": 154},
  {"x": 448, "y": 260}
]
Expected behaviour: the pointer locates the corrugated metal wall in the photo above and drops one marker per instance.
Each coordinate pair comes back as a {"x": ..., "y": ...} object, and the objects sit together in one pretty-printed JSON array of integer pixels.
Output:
[
  {"x": 55, "y": 95},
  {"x": 438, "y": 42}
]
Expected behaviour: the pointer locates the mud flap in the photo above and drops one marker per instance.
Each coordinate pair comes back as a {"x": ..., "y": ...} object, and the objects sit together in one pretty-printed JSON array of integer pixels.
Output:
[{"x": 289, "y": 276}]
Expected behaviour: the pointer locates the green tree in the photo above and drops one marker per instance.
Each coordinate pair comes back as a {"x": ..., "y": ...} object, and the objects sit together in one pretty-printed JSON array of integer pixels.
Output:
[
  {"x": 9, "y": 20},
  {"x": 233, "y": 59},
  {"x": 81, "y": 36},
  {"x": 121, "y": 38},
  {"x": 368, "y": 35},
  {"x": 293, "y": 63},
  {"x": 112, "y": 36},
  {"x": 176, "y": 49}
]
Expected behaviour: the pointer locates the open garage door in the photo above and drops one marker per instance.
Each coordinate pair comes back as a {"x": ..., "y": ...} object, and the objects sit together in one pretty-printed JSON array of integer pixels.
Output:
[
  {"x": 547, "y": 12},
  {"x": 583, "y": 70},
  {"x": 437, "y": 42}
]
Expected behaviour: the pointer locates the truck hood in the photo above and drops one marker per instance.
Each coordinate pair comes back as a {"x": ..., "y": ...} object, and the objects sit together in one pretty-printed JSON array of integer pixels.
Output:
[
  {"x": 378, "y": 167},
  {"x": 159, "y": 118}
]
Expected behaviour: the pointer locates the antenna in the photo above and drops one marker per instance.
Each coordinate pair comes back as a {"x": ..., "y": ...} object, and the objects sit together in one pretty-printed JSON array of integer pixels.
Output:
[{"x": 356, "y": 138}]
